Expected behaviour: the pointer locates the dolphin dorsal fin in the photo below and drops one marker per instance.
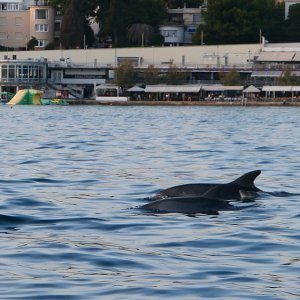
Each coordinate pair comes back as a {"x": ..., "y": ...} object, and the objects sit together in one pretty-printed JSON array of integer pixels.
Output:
[{"x": 247, "y": 180}]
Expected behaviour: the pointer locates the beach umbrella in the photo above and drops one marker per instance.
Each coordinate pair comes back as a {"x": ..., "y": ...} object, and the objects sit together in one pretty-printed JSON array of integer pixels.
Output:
[{"x": 251, "y": 89}]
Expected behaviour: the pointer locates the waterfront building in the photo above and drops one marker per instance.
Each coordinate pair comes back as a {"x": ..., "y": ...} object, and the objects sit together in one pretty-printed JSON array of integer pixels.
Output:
[
  {"x": 27, "y": 73},
  {"x": 20, "y": 20},
  {"x": 274, "y": 60},
  {"x": 74, "y": 73}
]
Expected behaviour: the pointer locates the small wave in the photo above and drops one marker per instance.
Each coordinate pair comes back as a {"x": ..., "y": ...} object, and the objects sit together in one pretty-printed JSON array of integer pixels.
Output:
[
  {"x": 50, "y": 146},
  {"x": 28, "y": 162},
  {"x": 28, "y": 202},
  {"x": 283, "y": 194},
  {"x": 13, "y": 220}
]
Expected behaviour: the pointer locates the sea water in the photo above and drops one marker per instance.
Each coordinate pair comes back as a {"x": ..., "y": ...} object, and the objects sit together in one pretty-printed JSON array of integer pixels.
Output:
[{"x": 72, "y": 179}]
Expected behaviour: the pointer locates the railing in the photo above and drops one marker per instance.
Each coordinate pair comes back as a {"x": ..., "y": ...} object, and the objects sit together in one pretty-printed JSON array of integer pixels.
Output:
[
  {"x": 39, "y": 3},
  {"x": 276, "y": 67},
  {"x": 23, "y": 80}
]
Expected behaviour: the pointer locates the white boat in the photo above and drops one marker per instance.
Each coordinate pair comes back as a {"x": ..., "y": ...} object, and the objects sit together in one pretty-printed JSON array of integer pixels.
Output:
[{"x": 109, "y": 93}]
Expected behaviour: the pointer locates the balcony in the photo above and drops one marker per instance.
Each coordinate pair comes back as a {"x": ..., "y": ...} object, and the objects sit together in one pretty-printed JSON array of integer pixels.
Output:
[{"x": 39, "y": 3}]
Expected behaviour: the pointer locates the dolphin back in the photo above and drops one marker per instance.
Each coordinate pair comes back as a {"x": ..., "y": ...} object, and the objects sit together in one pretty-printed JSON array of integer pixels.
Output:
[{"x": 188, "y": 205}]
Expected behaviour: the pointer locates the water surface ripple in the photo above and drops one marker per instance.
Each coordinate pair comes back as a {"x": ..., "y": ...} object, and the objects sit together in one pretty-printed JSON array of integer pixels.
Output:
[{"x": 72, "y": 177}]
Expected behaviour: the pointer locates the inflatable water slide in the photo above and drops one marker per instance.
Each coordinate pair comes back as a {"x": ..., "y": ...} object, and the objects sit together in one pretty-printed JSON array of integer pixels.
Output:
[{"x": 25, "y": 97}]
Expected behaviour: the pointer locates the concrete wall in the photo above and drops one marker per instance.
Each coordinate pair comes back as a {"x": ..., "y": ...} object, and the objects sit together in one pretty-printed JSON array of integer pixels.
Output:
[{"x": 189, "y": 56}]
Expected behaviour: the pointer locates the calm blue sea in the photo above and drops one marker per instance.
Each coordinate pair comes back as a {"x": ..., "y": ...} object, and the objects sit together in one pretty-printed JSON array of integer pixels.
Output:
[{"x": 71, "y": 178}]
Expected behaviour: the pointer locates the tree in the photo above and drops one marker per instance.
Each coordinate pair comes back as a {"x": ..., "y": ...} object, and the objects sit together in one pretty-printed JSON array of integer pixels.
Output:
[
  {"x": 175, "y": 75},
  {"x": 236, "y": 21},
  {"x": 72, "y": 27},
  {"x": 122, "y": 14},
  {"x": 125, "y": 75},
  {"x": 75, "y": 21},
  {"x": 231, "y": 78},
  {"x": 151, "y": 75},
  {"x": 32, "y": 43},
  {"x": 292, "y": 24},
  {"x": 89, "y": 36},
  {"x": 87, "y": 7},
  {"x": 288, "y": 78},
  {"x": 156, "y": 39},
  {"x": 140, "y": 34},
  {"x": 50, "y": 46}
]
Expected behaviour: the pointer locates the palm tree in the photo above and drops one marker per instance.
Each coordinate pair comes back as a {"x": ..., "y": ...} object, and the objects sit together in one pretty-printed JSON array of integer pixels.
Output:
[{"x": 139, "y": 34}]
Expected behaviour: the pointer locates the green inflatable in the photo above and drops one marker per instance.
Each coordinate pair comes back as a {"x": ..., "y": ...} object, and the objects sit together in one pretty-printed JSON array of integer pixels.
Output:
[{"x": 27, "y": 97}]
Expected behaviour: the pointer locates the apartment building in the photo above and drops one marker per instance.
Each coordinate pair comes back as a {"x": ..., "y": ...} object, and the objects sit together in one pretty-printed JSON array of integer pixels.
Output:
[
  {"x": 20, "y": 20},
  {"x": 181, "y": 24}
]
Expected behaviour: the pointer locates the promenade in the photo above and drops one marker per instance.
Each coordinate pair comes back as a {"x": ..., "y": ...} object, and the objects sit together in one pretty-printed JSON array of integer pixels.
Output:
[{"x": 270, "y": 102}]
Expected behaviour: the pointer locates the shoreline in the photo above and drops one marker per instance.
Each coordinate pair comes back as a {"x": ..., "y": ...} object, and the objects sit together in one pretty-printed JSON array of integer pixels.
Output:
[{"x": 185, "y": 103}]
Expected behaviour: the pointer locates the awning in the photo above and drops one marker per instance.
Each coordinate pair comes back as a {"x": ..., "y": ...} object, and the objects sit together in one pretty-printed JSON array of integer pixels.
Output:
[
  {"x": 266, "y": 74},
  {"x": 296, "y": 88},
  {"x": 297, "y": 57},
  {"x": 251, "y": 89},
  {"x": 221, "y": 88},
  {"x": 233, "y": 88},
  {"x": 213, "y": 88},
  {"x": 277, "y": 88},
  {"x": 172, "y": 88},
  {"x": 276, "y": 56},
  {"x": 136, "y": 89}
]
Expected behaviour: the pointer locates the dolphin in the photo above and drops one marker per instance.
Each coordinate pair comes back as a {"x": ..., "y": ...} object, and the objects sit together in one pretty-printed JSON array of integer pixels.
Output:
[
  {"x": 226, "y": 191},
  {"x": 206, "y": 204}
]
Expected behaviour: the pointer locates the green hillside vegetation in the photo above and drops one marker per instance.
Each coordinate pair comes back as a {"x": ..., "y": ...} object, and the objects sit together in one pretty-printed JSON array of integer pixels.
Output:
[{"x": 136, "y": 22}]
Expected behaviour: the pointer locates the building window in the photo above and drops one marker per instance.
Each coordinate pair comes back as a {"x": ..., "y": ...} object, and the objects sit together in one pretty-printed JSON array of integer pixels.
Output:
[
  {"x": 196, "y": 19},
  {"x": 19, "y": 21},
  {"x": 4, "y": 73},
  {"x": 41, "y": 14},
  {"x": 3, "y": 20},
  {"x": 169, "y": 33},
  {"x": 41, "y": 27},
  {"x": 165, "y": 33},
  {"x": 10, "y": 6},
  {"x": 173, "y": 33},
  {"x": 3, "y": 35},
  {"x": 22, "y": 73},
  {"x": 42, "y": 43}
]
